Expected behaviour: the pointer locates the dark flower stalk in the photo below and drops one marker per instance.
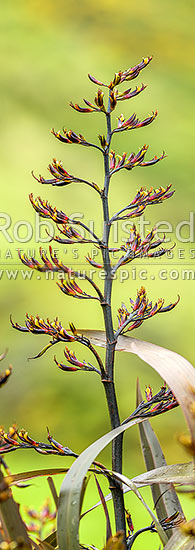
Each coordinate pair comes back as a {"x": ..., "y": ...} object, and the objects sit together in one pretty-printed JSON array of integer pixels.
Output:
[{"x": 117, "y": 493}]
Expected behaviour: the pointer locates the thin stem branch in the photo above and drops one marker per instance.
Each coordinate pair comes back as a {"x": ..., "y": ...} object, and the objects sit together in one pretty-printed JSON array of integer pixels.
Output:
[
  {"x": 115, "y": 170},
  {"x": 96, "y": 288},
  {"x": 125, "y": 258},
  {"x": 95, "y": 187},
  {"x": 126, "y": 323},
  {"x": 128, "y": 207},
  {"x": 94, "y": 146},
  {"x": 86, "y": 342}
]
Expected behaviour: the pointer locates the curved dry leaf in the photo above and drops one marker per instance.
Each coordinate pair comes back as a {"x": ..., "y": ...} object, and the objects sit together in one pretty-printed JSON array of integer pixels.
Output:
[
  {"x": 24, "y": 476},
  {"x": 182, "y": 474},
  {"x": 179, "y": 541},
  {"x": 178, "y": 373}
]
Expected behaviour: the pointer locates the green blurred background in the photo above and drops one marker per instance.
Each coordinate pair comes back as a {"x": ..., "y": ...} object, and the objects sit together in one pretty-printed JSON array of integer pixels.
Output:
[{"x": 47, "y": 49}]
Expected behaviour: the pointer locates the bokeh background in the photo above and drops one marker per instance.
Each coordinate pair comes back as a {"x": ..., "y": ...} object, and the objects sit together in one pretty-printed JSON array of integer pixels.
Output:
[{"x": 47, "y": 49}]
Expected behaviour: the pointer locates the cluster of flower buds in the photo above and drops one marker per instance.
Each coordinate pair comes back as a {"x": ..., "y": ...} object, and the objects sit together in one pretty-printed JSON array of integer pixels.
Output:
[
  {"x": 70, "y": 137},
  {"x": 114, "y": 95},
  {"x": 117, "y": 162},
  {"x": 72, "y": 236},
  {"x": 75, "y": 363},
  {"x": 103, "y": 141},
  {"x": 99, "y": 100},
  {"x": 136, "y": 248},
  {"x": 12, "y": 432},
  {"x": 143, "y": 198},
  {"x": 123, "y": 76},
  {"x": 128, "y": 94},
  {"x": 99, "y": 103},
  {"x": 6, "y": 374},
  {"x": 61, "y": 177},
  {"x": 57, "y": 333},
  {"x": 151, "y": 196},
  {"x": 123, "y": 315},
  {"x": 34, "y": 264},
  {"x": 98, "y": 107},
  {"x": 54, "y": 264},
  {"x": 133, "y": 122},
  {"x": 54, "y": 329},
  {"x": 141, "y": 309},
  {"x": 129, "y": 522},
  {"x": 113, "y": 98},
  {"x": 161, "y": 402},
  {"x": 40, "y": 519},
  {"x": 13, "y": 440},
  {"x": 36, "y": 325},
  {"x": 93, "y": 263},
  {"x": 45, "y": 210},
  {"x": 90, "y": 109},
  {"x": 70, "y": 288}
]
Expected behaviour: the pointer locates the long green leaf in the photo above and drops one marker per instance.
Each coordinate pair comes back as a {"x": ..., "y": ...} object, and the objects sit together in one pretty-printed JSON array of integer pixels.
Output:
[
  {"x": 25, "y": 476},
  {"x": 165, "y": 497},
  {"x": 69, "y": 498},
  {"x": 12, "y": 523},
  {"x": 172, "y": 367}
]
